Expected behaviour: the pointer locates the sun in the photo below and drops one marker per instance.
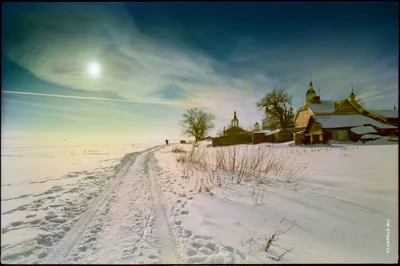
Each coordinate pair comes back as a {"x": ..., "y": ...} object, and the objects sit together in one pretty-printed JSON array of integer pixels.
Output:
[{"x": 93, "y": 68}]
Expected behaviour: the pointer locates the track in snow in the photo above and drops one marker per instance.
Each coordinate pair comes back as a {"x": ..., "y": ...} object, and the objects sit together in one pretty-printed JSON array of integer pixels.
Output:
[
  {"x": 167, "y": 245},
  {"x": 61, "y": 252}
]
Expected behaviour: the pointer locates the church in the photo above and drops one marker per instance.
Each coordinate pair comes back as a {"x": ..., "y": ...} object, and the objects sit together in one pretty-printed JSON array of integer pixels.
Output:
[
  {"x": 318, "y": 121},
  {"x": 234, "y": 129},
  {"x": 234, "y": 135}
]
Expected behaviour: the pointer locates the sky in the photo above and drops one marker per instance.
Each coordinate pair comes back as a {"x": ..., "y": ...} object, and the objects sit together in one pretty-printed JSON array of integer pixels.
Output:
[{"x": 158, "y": 59}]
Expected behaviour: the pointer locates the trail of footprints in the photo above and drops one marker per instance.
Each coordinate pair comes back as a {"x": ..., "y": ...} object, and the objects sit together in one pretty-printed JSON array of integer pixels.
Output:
[
  {"x": 60, "y": 213},
  {"x": 199, "y": 249}
]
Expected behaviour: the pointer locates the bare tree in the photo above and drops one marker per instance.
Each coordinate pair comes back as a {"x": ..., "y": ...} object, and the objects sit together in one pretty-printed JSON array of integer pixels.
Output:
[
  {"x": 196, "y": 123},
  {"x": 277, "y": 104}
]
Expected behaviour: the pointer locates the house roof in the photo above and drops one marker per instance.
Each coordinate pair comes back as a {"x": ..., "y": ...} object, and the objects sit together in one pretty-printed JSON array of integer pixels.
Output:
[
  {"x": 339, "y": 121},
  {"x": 326, "y": 106},
  {"x": 363, "y": 130},
  {"x": 269, "y": 132},
  {"x": 296, "y": 129},
  {"x": 272, "y": 132},
  {"x": 385, "y": 113},
  {"x": 265, "y": 132},
  {"x": 369, "y": 136}
]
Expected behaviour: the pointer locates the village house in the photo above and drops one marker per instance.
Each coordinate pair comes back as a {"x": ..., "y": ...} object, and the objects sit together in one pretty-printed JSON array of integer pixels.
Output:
[
  {"x": 391, "y": 116},
  {"x": 278, "y": 136},
  {"x": 322, "y": 128},
  {"x": 319, "y": 120}
]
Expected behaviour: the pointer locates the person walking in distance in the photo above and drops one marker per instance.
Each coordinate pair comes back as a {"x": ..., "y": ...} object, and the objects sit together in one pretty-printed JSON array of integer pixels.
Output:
[{"x": 166, "y": 142}]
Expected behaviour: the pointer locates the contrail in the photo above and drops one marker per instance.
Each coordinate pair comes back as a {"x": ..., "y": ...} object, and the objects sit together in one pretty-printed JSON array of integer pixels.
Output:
[{"x": 93, "y": 98}]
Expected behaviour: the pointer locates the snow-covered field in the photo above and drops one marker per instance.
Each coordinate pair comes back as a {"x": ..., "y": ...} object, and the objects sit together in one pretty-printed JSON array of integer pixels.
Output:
[
  {"x": 45, "y": 185},
  {"x": 124, "y": 204}
]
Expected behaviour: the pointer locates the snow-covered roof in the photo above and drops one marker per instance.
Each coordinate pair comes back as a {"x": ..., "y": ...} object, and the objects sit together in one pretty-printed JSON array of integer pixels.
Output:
[
  {"x": 326, "y": 106},
  {"x": 269, "y": 132},
  {"x": 272, "y": 132},
  {"x": 386, "y": 113},
  {"x": 369, "y": 136},
  {"x": 337, "y": 121},
  {"x": 363, "y": 130},
  {"x": 263, "y": 131}
]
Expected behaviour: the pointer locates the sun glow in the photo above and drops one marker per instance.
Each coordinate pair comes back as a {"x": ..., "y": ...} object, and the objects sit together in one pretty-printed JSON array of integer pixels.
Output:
[{"x": 93, "y": 68}]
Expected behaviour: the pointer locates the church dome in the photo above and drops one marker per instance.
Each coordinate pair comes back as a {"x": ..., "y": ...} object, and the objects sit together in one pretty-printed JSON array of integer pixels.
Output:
[{"x": 311, "y": 92}]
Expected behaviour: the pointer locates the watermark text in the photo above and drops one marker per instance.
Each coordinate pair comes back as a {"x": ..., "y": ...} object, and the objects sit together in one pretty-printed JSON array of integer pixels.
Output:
[{"x": 387, "y": 236}]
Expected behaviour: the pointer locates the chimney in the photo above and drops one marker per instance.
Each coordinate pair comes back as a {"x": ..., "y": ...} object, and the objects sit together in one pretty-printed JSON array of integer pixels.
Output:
[{"x": 316, "y": 99}]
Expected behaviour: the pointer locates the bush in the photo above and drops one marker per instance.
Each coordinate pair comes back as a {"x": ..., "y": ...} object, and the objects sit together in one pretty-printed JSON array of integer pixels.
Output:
[
  {"x": 178, "y": 150},
  {"x": 235, "y": 164}
]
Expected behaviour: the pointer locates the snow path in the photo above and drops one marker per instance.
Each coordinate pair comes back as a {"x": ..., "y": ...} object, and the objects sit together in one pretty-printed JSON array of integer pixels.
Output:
[
  {"x": 166, "y": 241},
  {"x": 62, "y": 251}
]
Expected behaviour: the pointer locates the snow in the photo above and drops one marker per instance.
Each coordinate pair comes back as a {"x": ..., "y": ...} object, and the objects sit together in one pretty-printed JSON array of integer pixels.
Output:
[
  {"x": 386, "y": 113},
  {"x": 326, "y": 106},
  {"x": 338, "y": 121},
  {"x": 269, "y": 132},
  {"x": 143, "y": 206},
  {"x": 370, "y": 136},
  {"x": 363, "y": 130},
  {"x": 266, "y": 132},
  {"x": 273, "y": 132}
]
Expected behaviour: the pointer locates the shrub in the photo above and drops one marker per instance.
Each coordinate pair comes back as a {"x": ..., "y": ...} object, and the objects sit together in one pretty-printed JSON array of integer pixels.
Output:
[
  {"x": 178, "y": 150},
  {"x": 236, "y": 164},
  {"x": 274, "y": 237}
]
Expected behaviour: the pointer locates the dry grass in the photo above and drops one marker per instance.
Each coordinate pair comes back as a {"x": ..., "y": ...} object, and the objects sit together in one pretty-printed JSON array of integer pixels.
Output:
[
  {"x": 177, "y": 150},
  {"x": 236, "y": 164}
]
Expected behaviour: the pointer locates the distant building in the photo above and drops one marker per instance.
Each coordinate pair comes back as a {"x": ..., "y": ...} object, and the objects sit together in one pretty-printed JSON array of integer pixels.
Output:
[
  {"x": 315, "y": 106},
  {"x": 322, "y": 128},
  {"x": 234, "y": 135},
  {"x": 266, "y": 121},
  {"x": 234, "y": 128},
  {"x": 391, "y": 116},
  {"x": 320, "y": 120},
  {"x": 278, "y": 136}
]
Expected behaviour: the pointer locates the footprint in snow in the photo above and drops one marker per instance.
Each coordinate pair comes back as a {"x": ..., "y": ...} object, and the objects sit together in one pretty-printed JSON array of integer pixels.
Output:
[
  {"x": 187, "y": 233},
  {"x": 196, "y": 259},
  {"x": 17, "y": 223},
  {"x": 205, "y": 251},
  {"x": 191, "y": 252}
]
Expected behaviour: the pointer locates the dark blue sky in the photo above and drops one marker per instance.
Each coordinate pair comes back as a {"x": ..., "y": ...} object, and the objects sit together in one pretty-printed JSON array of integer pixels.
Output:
[{"x": 168, "y": 56}]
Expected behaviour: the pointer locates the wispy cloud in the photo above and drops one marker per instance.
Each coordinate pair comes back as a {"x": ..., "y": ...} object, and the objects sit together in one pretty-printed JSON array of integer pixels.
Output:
[
  {"x": 134, "y": 65},
  {"x": 140, "y": 67},
  {"x": 95, "y": 98}
]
